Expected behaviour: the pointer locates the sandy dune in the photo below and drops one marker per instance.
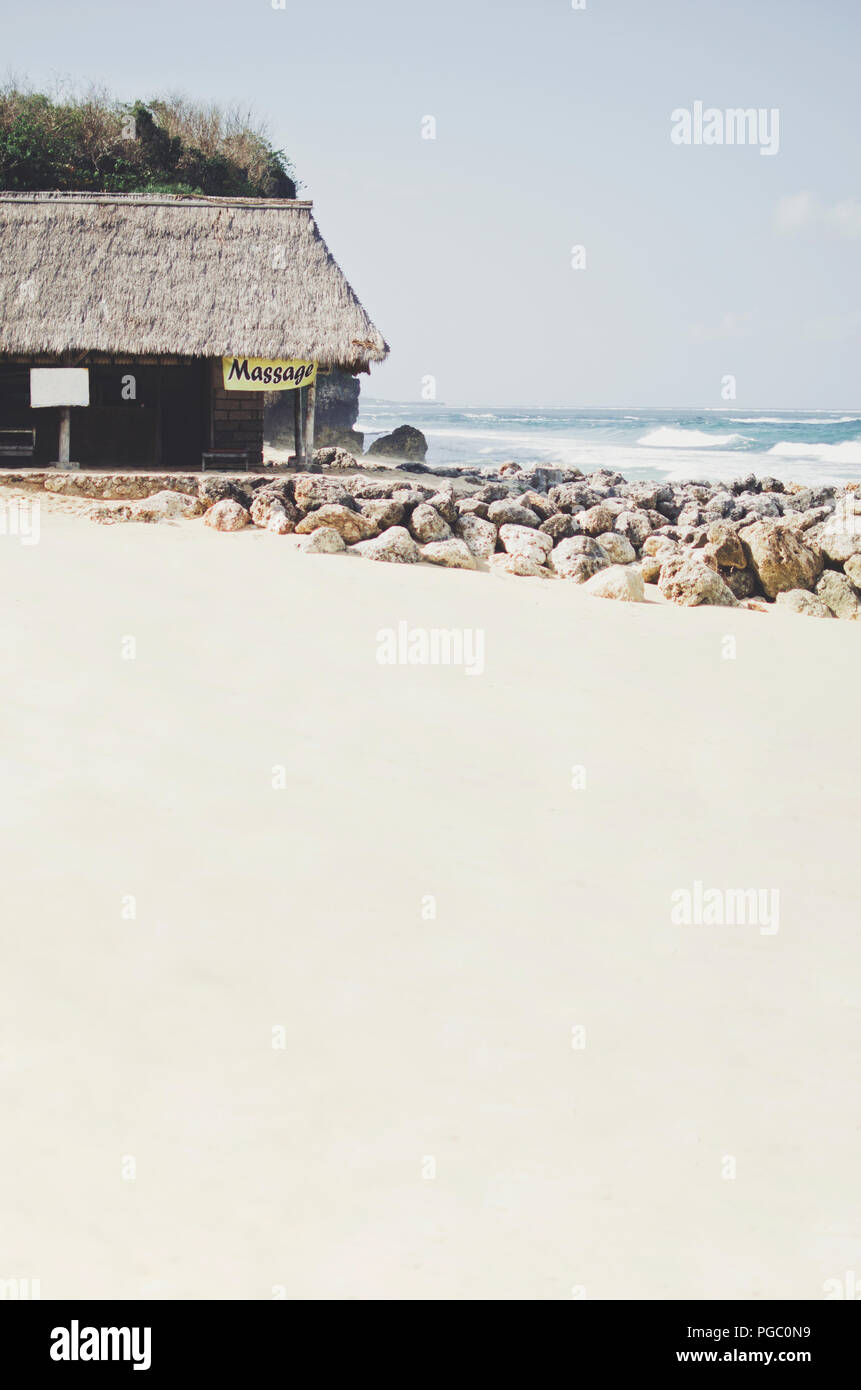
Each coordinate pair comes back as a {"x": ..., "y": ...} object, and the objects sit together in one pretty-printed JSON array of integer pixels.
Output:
[{"x": 427, "y": 1130}]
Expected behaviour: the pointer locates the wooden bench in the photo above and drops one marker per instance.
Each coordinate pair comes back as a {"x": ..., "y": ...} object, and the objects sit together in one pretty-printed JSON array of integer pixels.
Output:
[
  {"x": 17, "y": 444},
  {"x": 229, "y": 459}
]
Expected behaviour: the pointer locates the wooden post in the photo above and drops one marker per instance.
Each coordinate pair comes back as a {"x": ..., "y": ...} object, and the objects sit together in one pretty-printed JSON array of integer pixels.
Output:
[
  {"x": 297, "y": 425},
  {"x": 159, "y": 445},
  {"x": 310, "y": 403},
  {"x": 65, "y": 436}
]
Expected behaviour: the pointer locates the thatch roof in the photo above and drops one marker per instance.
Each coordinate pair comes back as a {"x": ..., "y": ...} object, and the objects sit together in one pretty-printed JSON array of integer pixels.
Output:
[{"x": 161, "y": 274}]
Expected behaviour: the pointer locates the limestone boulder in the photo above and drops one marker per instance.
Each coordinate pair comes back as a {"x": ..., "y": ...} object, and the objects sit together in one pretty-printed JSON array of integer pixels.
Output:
[
  {"x": 573, "y": 498},
  {"x": 658, "y": 521},
  {"x": 781, "y": 560},
  {"x": 723, "y": 543},
  {"x": 369, "y": 489},
  {"x": 800, "y": 522},
  {"x": 351, "y": 526},
  {"x": 838, "y": 538},
  {"x": 325, "y": 540},
  {"x": 741, "y": 582},
  {"x": 382, "y": 512},
  {"x": 596, "y": 520},
  {"x": 109, "y": 486},
  {"x": 411, "y": 497},
  {"x": 623, "y": 582},
  {"x": 453, "y": 554},
  {"x": 646, "y": 494},
  {"x": 394, "y": 546},
  {"x": 519, "y": 565},
  {"x": 606, "y": 477},
  {"x": 558, "y": 526},
  {"x": 491, "y": 492},
  {"x": 578, "y": 558},
  {"x": 427, "y": 525},
  {"x": 471, "y": 506},
  {"x": 31, "y": 481},
  {"x": 803, "y": 602},
  {"x": 274, "y": 513},
  {"x": 107, "y": 514},
  {"x": 212, "y": 489},
  {"x": 537, "y": 502},
  {"x": 227, "y": 515},
  {"x": 480, "y": 536},
  {"x": 689, "y": 517},
  {"x": 312, "y": 490},
  {"x": 619, "y": 549},
  {"x": 523, "y": 540},
  {"x": 635, "y": 526},
  {"x": 279, "y": 489},
  {"x": 278, "y": 521},
  {"x": 853, "y": 570},
  {"x": 443, "y": 502},
  {"x": 165, "y": 506},
  {"x": 838, "y": 593},
  {"x": 659, "y": 545},
  {"x": 650, "y": 567},
  {"x": 689, "y": 580},
  {"x": 333, "y": 457},
  {"x": 510, "y": 513},
  {"x": 765, "y": 507}
]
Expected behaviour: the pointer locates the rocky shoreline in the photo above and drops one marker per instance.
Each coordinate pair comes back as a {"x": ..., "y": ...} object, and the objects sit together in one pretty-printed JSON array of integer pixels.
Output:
[{"x": 755, "y": 543}]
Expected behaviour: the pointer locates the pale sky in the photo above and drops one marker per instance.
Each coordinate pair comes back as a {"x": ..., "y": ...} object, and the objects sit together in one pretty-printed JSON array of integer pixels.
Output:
[{"x": 553, "y": 129}]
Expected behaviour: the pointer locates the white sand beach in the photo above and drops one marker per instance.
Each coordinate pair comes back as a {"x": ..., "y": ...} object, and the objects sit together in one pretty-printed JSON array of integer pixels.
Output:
[{"x": 428, "y": 1129}]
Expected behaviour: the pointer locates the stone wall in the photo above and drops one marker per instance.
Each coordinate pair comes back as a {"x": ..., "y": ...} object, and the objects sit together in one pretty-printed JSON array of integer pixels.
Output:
[{"x": 237, "y": 418}]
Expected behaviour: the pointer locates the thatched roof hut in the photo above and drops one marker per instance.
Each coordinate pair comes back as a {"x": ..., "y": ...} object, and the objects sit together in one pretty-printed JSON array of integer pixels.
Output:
[{"x": 162, "y": 274}]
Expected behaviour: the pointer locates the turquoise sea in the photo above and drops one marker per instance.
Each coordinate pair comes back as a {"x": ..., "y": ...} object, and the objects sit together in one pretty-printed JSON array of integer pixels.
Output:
[{"x": 804, "y": 445}]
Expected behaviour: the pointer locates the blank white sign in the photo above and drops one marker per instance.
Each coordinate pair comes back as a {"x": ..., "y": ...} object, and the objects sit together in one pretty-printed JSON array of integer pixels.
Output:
[{"x": 59, "y": 386}]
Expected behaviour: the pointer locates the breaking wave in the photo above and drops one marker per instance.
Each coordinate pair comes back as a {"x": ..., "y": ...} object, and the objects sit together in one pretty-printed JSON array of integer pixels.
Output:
[
  {"x": 782, "y": 420},
  {"x": 847, "y": 452},
  {"x": 667, "y": 438}
]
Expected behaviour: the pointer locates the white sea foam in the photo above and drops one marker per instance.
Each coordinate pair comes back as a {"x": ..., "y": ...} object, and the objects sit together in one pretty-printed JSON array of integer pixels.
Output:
[
  {"x": 522, "y": 437},
  {"x": 667, "y": 438},
  {"x": 848, "y": 452},
  {"x": 783, "y": 420}
]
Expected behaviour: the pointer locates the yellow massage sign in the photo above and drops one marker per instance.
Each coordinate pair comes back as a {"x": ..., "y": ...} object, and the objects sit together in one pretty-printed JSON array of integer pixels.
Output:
[{"x": 266, "y": 373}]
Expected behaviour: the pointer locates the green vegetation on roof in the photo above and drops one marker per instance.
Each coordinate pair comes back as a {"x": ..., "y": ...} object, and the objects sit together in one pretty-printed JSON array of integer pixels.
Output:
[{"x": 170, "y": 145}]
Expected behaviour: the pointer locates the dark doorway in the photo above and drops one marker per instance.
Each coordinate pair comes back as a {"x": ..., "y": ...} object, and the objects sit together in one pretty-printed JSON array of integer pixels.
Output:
[
  {"x": 119, "y": 428},
  {"x": 184, "y": 416},
  {"x": 139, "y": 416}
]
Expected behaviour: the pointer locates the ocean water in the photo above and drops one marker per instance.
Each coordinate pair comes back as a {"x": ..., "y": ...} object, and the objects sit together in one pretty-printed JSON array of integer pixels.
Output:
[{"x": 805, "y": 446}]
